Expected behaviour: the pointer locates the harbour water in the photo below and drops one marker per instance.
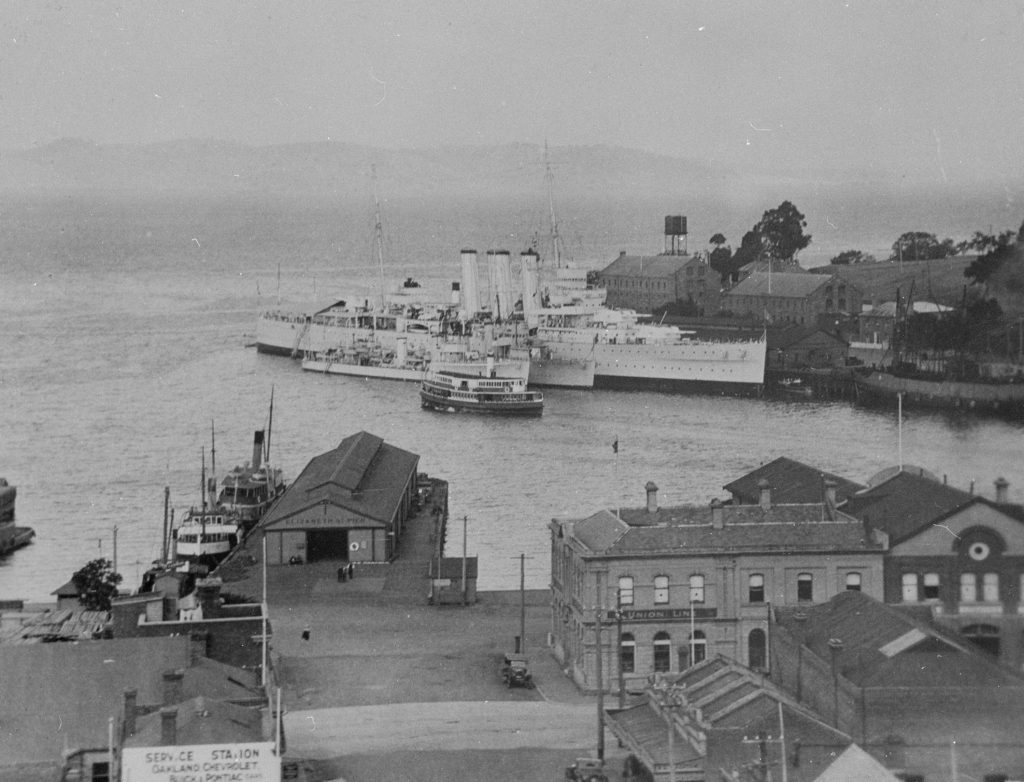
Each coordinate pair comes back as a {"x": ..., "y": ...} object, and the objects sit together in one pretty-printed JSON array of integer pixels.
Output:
[{"x": 124, "y": 331}]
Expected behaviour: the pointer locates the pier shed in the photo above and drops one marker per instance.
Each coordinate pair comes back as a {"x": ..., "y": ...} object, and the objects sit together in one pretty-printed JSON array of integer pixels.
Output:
[{"x": 349, "y": 504}]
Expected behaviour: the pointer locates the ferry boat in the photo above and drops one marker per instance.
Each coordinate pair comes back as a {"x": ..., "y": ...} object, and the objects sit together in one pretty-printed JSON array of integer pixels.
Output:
[
  {"x": 455, "y": 391},
  {"x": 206, "y": 536},
  {"x": 370, "y": 360}
]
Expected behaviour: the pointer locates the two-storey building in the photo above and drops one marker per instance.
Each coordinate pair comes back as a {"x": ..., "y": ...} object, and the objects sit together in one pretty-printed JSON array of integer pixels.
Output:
[
  {"x": 791, "y": 297},
  {"x": 656, "y": 589}
]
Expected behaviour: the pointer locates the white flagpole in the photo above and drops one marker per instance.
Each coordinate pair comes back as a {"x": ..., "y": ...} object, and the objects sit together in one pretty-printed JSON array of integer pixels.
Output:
[
  {"x": 263, "y": 668},
  {"x": 899, "y": 429}
]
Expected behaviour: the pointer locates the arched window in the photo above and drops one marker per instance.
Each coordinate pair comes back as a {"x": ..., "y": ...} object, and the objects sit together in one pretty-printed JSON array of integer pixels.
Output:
[
  {"x": 853, "y": 582},
  {"x": 757, "y": 650},
  {"x": 805, "y": 587},
  {"x": 625, "y": 590},
  {"x": 660, "y": 589},
  {"x": 662, "y": 652},
  {"x": 755, "y": 590},
  {"x": 627, "y": 653},
  {"x": 910, "y": 587},
  {"x": 697, "y": 589}
]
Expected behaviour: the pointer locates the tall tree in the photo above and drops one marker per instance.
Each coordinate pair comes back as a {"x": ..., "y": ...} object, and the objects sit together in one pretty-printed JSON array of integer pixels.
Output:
[
  {"x": 97, "y": 583},
  {"x": 922, "y": 246},
  {"x": 782, "y": 233}
]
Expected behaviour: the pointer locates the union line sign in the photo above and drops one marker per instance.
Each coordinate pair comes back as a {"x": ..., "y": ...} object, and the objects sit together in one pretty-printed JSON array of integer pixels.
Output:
[{"x": 246, "y": 762}]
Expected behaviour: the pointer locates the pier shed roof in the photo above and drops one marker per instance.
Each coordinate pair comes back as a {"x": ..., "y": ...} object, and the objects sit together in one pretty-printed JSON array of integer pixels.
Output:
[{"x": 363, "y": 475}]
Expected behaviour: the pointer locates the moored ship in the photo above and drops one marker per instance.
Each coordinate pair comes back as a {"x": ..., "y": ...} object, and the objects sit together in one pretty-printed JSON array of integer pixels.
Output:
[
  {"x": 248, "y": 491},
  {"x": 454, "y": 392},
  {"x": 1002, "y": 398},
  {"x": 368, "y": 359},
  {"x": 206, "y": 536}
]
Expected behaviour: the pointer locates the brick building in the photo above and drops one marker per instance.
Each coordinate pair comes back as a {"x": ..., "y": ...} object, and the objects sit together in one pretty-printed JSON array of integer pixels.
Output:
[
  {"x": 913, "y": 696},
  {"x": 791, "y": 297},
  {"x": 646, "y": 282},
  {"x": 675, "y": 585}
]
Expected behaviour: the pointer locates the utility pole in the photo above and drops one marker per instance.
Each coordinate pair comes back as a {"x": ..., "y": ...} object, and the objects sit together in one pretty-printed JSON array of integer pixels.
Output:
[
  {"x": 465, "y": 520},
  {"x": 522, "y": 603},
  {"x": 600, "y": 684},
  {"x": 618, "y": 627}
]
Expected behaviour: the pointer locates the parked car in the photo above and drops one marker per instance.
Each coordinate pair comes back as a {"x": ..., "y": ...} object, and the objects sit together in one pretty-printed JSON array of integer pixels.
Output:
[
  {"x": 586, "y": 770},
  {"x": 515, "y": 671}
]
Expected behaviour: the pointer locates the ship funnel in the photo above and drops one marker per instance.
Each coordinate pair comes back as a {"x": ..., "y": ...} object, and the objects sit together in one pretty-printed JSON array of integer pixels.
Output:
[
  {"x": 456, "y": 295},
  {"x": 490, "y": 363},
  {"x": 470, "y": 285},
  {"x": 401, "y": 352},
  {"x": 500, "y": 270},
  {"x": 257, "y": 449}
]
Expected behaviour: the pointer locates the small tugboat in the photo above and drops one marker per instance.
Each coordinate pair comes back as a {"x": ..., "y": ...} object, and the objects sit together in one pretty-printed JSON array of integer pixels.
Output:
[
  {"x": 250, "y": 489},
  {"x": 455, "y": 391}
]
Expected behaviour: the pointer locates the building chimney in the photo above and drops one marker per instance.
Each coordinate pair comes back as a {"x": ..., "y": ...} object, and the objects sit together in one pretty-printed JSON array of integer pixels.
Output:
[
  {"x": 199, "y": 645},
  {"x": 131, "y": 698},
  {"x": 208, "y": 596},
  {"x": 257, "y": 449},
  {"x": 652, "y": 497},
  {"x": 1001, "y": 486},
  {"x": 717, "y": 514},
  {"x": 168, "y": 727},
  {"x": 766, "y": 494},
  {"x": 173, "y": 687}
]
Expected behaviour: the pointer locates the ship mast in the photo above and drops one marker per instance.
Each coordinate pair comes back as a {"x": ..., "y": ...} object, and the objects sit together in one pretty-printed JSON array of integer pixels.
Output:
[
  {"x": 213, "y": 467},
  {"x": 270, "y": 424},
  {"x": 379, "y": 234},
  {"x": 549, "y": 179}
]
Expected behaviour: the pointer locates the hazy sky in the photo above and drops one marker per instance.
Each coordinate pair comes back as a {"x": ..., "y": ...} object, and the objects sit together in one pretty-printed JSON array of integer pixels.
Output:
[{"x": 929, "y": 91}]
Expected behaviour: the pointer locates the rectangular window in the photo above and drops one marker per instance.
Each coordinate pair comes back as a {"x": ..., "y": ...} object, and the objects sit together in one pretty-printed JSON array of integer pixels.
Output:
[
  {"x": 696, "y": 589},
  {"x": 990, "y": 587},
  {"x": 931, "y": 586},
  {"x": 968, "y": 588},
  {"x": 910, "y": 587},
  {"x": 660, "y": 589},
  {"x": 755, "y": 593},
  {"x": 625, "y": 590},
  {"x": 805, "y": 587},
  {"x": 853, "y": 582}
]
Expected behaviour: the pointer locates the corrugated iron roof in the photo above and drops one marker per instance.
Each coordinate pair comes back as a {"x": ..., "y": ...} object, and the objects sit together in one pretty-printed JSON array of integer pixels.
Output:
[
  {"x": 363, "y": 474},
  {"x": 906, "y": 503},
  {"x": 790, "y": 481},
  {"x": 798, "y": 285},
  {"x": 647, "y": 265}
]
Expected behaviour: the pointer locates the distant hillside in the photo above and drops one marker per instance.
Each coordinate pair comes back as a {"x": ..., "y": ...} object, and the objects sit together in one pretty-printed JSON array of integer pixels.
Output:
[
  {"x": 844, "y": 209},
  {"x": 939, "y": 281}
]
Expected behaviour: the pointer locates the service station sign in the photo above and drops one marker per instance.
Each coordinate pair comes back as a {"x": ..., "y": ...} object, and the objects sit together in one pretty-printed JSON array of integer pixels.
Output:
[{"x": 251, "y": 762}]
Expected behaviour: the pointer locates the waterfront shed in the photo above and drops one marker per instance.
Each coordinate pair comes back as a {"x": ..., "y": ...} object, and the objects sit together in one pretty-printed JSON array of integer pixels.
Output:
[{"x": 349, "y": 504}]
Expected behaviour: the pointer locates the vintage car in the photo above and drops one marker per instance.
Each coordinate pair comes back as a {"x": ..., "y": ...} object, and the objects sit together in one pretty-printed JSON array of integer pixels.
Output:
[
  {"x": 515, "y": 671},
  {"x": 586, "y": 770}
]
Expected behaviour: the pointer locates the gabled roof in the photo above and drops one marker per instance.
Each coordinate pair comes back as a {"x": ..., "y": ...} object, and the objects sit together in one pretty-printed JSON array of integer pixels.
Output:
[
  {"x": 855, "y": 763},
  {"x": 648, "y": 265},
  {"x": 905, "y": 503},
  {"x": 782, "y": 338},
  {"x": 882, "y": 646},
  {"x": 797, "y": 285},
  {"x": 363, "y": 474},
  {"x": 790, "y": 481},
  {"x": 202, "y": 720},
  {"x": 61, "y": 694}
]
